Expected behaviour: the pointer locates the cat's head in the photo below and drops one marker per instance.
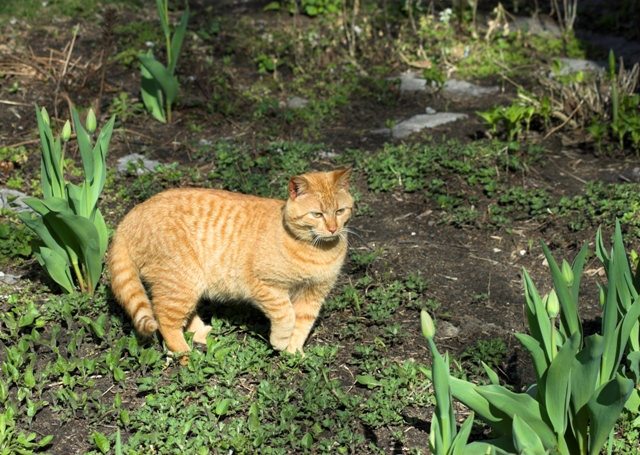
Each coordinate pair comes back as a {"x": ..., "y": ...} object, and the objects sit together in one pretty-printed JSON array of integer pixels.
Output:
[{"x": 319, "y": 206}]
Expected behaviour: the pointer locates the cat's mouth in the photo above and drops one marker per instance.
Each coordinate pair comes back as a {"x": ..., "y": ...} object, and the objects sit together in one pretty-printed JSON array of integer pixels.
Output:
[{"x": 327, "y": 238}]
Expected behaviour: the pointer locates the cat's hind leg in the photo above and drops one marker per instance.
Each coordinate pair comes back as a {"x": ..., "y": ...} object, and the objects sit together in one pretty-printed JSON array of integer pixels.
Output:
[
  {"x": 173, "y": 305},
  {"x": 199, "y": 329}
]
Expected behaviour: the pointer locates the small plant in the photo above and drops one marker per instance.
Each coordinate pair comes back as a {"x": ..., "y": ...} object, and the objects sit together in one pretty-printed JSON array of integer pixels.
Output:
[
  {"x": 444, "y": 438},
  {"x": 579, "y": 391},
  {"x": 12, "y": 440},
  {"x": 72, "y": 233},
  {"x": 159, "y": 85}
]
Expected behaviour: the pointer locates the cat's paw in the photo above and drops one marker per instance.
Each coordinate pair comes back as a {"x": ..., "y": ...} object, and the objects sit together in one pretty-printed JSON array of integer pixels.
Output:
[
  {"x": 200, "y": 336},
  {"x": 293, "y": 349},
  {"x": 278, "y": 343}
]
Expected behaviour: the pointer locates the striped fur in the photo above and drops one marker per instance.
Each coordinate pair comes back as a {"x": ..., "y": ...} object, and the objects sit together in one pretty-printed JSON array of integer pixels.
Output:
[{"x": 185, "y": 244}]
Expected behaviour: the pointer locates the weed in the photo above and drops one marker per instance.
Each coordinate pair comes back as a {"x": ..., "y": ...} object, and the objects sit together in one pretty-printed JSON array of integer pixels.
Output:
[
  {"x": 15, "y": 242},
  {"x": 149, "y": 183}
]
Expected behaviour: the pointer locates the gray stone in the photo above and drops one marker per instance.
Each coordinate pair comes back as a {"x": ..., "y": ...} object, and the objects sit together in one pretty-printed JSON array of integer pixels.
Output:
[
  {"x": 573, "y": 65},
  {"x": 463, "y": 89},
  {"x": 8, "y": 279},
  {"x": 430, "y": 111},
  {"x": 381, "y": 132},
  {"x": 446, "y": 330},
  {"x": 540, "y": 25},
  {"x": 12, "y": 200},
  {"x": 147, "y": 164},
  {"x": 412, "y": 82},
  {"x": 297, "y": 103},
  {"x": 422, "y": 121}
]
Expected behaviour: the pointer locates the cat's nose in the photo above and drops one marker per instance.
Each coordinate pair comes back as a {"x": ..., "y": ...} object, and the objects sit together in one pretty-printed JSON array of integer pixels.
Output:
[{"x": 332, "y": 229}]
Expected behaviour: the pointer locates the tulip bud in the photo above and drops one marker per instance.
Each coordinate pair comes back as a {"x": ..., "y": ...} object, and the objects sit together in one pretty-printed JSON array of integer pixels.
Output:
[
  {"x": 603, "y": 294},
  {"x": 45, "y": 115},
  {"x": 91, "y": 121},
  {"x": 428, "y": 329},
  {"x": 66, "y": 131},
  {"x": 567, "y": 273},
  {"x": 553, "y": 305}
]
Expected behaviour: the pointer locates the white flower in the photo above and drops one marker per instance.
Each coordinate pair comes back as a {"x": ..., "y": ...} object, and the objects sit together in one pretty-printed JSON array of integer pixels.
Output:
[{"x": 445, "y": 15}]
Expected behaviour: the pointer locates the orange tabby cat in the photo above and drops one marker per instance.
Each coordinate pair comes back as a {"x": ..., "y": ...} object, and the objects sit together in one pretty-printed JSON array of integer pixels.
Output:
[{"x": 191, "y": 243}]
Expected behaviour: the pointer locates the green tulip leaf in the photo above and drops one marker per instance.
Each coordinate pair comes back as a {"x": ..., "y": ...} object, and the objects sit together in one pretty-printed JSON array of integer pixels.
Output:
[
  {"x": 84, "y": 144},
  {"x": 558, "y": 385},
  {"x": 524, "y": 438},
  {"x": 162, "y": 76},
  {"x": 605, "y": 407},
  {"x": 152, "y": 95},
  {"x": 176, "y": 41}
]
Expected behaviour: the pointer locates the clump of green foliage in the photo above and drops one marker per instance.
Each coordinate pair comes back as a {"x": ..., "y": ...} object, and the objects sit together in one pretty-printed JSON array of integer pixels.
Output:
[{"x": 72, "y": 234}]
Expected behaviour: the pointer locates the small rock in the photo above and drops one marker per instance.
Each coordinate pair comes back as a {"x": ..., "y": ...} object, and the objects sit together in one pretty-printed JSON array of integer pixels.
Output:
[
  {"x": 573, "y": 65},
  {"x": 12, "y": 200},
  {"x": 8, "y": 279},
  {"x": 463, "y": 89},
  {"x": 327, "y": 155},
  {"x": 422, "y": 121},
  {"x": 382, "y": 132},
  {"x": 446, "y": 330},
  {"x": 297, "y": 103},
  {"x": 430, "y": 110},
  {"x": 147, "y": 164}
]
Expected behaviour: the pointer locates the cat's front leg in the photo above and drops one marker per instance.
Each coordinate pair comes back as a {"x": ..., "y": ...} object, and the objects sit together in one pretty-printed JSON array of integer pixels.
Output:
[
  {"x": 277, "y": 307},
  {"x": 306, "y": 307}
]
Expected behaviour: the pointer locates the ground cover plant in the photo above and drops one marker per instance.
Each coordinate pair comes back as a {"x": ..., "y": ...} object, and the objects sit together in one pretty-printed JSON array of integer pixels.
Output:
[{"x": 446, "y": 220}]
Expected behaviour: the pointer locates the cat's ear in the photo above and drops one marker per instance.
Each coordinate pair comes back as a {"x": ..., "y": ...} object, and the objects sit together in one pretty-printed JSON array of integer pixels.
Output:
[
  {"x": 342, "y": 178},
  {"x": 297, "y": 185}
]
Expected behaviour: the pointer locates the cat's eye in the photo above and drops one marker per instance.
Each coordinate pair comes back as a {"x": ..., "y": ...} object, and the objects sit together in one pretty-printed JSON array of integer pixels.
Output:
[
  {"x": 340, "y": 211},
  {"x": 316, "y": 214}
]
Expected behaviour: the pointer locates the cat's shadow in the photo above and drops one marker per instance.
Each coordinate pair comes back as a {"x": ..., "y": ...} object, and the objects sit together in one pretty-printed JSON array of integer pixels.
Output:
[{"x": 234, "y": 315}]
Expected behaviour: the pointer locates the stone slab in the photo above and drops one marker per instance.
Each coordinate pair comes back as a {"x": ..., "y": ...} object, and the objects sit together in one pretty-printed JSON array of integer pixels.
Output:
[
  {"x": 148, "y": 165},
  {"x": 12, "y": 200},
  {"x": 422, "y": 121}
]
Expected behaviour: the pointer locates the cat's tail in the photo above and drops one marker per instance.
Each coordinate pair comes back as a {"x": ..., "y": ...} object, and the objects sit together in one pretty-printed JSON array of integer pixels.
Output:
[{"x": 128, "y": 288}]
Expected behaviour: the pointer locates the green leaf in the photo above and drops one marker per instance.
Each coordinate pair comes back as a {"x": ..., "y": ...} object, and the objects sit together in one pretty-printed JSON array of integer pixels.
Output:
[
  {"x": 584, "y": 377},
  {"x": 152, "y": 95},
  {"x": 36, "y": 224},
  {"x": 539, "y": 324},
  {"x": 570, "y": 320},
  {"x": 526, "y": 407},
  {"x": 51, "y": 161},
  {"x": 369, "y": 381},
  {"x": 443, "y": 412},
  {"x": 223, "y": 407},
  {"x": 100, "y": 152},
  {"x": 56, "y": 266},
  {"x": 469, "y": 395},
  {"x": 493, "y": 376},
  {"x": 162, "y": 14},
  {"x": 605, "y": 407},
  {"x": 103, "y": 233},
  {"x": 272, "y": 6},
  {"x": 79, "y": 233},
  {"x": 167, "y": 82},
  {"x": 176, "y": 41},
  {"x": 538, "y": 358},
  {"x": 84, "y": 144},
  {"x": 307, "y": 441},
  {"x": 558, "y": 385},
  {"x": 524, "y": 438},
  {"x": 254, "y": 419},
  {"x": 101, "y": 442},
  {"x": 578, "y": 266},
  {"x": 460, "y": 441}
]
